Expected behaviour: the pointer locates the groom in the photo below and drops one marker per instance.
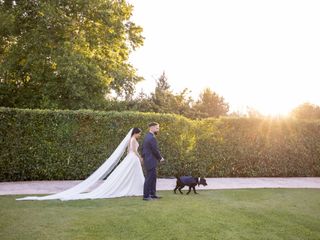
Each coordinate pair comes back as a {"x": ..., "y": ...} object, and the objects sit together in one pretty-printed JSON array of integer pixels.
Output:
[{"x": 151, "y": 156}]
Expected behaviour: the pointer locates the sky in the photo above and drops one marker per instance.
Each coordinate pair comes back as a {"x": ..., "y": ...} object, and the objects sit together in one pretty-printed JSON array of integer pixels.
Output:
[{"x": 259, "y": 54}]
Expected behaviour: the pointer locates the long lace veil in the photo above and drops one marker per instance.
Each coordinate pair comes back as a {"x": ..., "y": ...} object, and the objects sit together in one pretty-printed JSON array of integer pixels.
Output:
[{"x": 93, "y": 179}]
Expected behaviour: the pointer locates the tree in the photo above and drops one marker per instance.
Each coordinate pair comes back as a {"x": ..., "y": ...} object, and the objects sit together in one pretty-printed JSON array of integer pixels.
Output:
[
  {"x": 162, "y": 96},
  {"x": 166, "y": 101},
  {"x": 144, "y": 103},
  {"x": 210, "y": 104},
  {"x": 163, "y": 100},
  {"x": 65, "y": 54},
  {"x": 306, "y": 111}
]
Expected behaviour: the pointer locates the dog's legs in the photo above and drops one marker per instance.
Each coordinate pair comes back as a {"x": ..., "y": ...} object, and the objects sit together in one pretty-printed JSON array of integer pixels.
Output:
[
  {"x": 189, "y": 190},
  {"x": 175, "y": 189},
  {"x": 194, "y": 189},
  {"x": 180, "y": 189}
]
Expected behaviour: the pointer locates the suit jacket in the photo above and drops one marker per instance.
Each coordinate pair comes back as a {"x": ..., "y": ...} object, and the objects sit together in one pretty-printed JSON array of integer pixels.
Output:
[{"x": 150, "y": 152}]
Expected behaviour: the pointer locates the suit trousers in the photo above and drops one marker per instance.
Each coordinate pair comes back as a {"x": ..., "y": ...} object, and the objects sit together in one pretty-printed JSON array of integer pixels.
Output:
[{"x": 149, "y": 188}]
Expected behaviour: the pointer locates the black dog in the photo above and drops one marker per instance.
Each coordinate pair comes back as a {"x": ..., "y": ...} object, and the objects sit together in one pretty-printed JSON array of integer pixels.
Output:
[{"x": 189, "y": 181}]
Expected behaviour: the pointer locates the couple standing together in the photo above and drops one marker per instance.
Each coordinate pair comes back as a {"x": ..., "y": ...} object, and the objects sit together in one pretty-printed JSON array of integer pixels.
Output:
[
  {"x": 150, "y": 158},
  {"x": 113, "y": 179}
]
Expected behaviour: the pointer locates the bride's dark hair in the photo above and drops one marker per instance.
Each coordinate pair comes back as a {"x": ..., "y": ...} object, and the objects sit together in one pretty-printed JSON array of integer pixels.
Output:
[{"x": 135, "y": 130}]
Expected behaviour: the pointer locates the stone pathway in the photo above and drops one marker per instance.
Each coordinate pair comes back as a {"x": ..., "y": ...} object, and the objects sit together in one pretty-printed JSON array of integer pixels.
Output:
[{"x": 48, "y": 187}]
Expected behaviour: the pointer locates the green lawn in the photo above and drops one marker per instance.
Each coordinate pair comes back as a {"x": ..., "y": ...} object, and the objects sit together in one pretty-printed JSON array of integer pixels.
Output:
[{"x": 215, "y": 214}]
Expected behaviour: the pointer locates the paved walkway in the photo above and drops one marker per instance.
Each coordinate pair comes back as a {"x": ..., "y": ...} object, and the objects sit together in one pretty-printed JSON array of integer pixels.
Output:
[{"x": 48, "y": 187}]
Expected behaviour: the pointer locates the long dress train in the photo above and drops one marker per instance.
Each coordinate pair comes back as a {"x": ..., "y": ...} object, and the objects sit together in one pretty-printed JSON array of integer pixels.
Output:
[{"x": 126, "y": 179}]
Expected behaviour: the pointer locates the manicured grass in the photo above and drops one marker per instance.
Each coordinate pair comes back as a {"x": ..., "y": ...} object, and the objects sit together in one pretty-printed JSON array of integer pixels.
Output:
[{"x": 215, "y": 214}]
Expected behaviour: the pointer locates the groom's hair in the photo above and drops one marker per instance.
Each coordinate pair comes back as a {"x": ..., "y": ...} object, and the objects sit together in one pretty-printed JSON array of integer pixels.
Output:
[{"x": 153, "y": 124}]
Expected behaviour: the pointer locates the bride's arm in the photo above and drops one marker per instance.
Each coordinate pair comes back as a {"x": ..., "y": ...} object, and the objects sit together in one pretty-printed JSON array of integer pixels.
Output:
[{"x": 135, "y": 147}]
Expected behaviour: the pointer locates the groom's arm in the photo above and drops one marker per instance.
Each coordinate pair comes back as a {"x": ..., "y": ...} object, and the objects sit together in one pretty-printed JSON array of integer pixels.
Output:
[{"x": 155, "y": 149}]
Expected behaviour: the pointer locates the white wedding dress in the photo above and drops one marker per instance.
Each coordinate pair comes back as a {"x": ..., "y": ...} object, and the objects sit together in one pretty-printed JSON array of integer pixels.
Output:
[{"x": 126, "y": 179}]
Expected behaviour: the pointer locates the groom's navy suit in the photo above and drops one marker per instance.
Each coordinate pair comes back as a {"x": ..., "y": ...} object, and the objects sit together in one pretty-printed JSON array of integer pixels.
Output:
[{"x": 151, "y": 156}]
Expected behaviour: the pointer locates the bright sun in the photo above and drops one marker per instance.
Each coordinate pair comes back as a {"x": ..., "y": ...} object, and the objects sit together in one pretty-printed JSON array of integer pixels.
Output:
[
  {"x": 271, "y": 98},
  {"x": 275, "y": 106},
  {"x": 279, "y": 109}
]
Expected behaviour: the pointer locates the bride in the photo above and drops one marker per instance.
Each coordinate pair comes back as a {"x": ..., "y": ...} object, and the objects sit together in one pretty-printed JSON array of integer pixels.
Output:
[{"x": 125, "y": 179}]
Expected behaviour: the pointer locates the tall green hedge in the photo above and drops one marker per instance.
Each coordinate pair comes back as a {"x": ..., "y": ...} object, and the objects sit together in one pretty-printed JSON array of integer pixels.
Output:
[
  {"x": 259, "y": 147},
  {"x": 47, "y": 144}
]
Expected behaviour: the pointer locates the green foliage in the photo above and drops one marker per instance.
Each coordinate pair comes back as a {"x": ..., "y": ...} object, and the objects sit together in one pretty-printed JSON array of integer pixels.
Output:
[
  {"x": 47, "y": 144},
  {"x": 163, "y": 100},
  {"x": 210, "y": 104},
  {"x": 248, "y": 147},
  {"x": 65, "y": 54}
]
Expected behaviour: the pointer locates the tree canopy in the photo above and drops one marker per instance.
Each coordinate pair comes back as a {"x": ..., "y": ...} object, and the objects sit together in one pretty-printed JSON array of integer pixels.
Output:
[
  {"x": 163, "y": 100},
  {"x": 65, "y": 54},
  {"x": 71, "y": 54},
  {"x": 210, "y": 104}
]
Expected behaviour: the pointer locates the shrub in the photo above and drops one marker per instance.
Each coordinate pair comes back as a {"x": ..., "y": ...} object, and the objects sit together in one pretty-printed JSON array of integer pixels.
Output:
[{"x": 57, "y": 144}]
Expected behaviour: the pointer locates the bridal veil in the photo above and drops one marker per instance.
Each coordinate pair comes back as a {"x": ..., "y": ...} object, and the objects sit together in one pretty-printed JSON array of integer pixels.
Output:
[{"x": 86, "y": 186}]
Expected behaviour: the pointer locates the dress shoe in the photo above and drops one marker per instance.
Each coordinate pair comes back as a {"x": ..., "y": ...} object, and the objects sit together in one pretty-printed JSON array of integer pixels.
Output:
[
  {"x": 148, "y": 199},
  {"x": 156, "y": 197}
]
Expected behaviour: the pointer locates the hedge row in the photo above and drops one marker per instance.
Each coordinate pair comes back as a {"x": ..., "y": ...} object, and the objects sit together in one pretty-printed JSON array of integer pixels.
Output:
[
  {"x": 55, "y": 145},
  {"x": 259, "y": 147}
]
